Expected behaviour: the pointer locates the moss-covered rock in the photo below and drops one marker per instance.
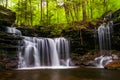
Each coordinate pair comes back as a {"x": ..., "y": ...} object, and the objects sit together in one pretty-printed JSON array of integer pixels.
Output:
[{"x": 7, "y": 17}]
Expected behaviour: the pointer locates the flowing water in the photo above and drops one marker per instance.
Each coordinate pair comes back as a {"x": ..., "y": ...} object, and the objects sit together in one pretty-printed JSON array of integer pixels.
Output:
[
  {"x": 104, "y": 36},
  {"x": 13, "y": 30},
  {"x": 61, "y": 74},
  {"x": 43, "y": 52},
  {"x": 38, "y": 52}
]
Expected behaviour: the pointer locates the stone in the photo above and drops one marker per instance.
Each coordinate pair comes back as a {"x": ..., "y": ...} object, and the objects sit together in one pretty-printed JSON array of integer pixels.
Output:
[
  {"x": 115, "y": 57},
  {"x": 7, "y": 62},
  {"x": 113, "y": 65},
  {"x": 7, "y": 17}
]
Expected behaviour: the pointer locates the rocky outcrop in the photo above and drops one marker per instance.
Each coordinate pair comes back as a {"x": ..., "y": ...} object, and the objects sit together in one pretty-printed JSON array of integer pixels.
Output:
[
  {"x": 113, "y": 65},
  {"x": 8, "y": 49},
  {"x": 7, "y": 17},
  {"x": 8, "y": 41},
  {"x": 7, "y": 62}
]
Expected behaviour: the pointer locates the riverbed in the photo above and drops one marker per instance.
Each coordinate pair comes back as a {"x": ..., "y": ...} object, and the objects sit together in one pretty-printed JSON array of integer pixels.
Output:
[{"x": 61, "y": 74}]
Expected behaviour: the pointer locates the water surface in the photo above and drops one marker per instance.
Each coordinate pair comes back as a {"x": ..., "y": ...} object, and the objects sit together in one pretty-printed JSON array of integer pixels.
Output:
[{"x": 61, "y": 74}]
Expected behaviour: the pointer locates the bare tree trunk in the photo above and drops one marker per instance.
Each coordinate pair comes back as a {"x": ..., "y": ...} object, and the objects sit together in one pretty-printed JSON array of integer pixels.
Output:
[
  {"x": 81, "y": 38},
  {"x": 84, "y": 10},
  {"x": 41, "y": 10},
  {"x": 19, "y": 15},
  {"x": 31, "y": 16},
  {"x": 71, "y": 15},
  {"x": 67, "y": 12},
  {"x": 25, "y": 10},
  {"x": 6, "y": 4},
  {"x": 47, "y": 12},
  {"x": 17, "y": 20},
  {"x": 91, "y": 9},
  {"x": 76, "y": 10},
  {"x": 57, "y": 13},
  {"x": 105, "y": 3}
]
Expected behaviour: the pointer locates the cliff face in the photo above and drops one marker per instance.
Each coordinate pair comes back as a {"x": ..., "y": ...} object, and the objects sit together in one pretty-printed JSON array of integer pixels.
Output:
[
  {"x": 8, "y": 42},
  {"x": 7, "y": 17}
]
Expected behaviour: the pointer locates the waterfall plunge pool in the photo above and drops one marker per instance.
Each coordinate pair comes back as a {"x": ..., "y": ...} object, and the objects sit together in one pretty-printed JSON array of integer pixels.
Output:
[
  {"x": 48, "y": 67},
  {"x": 61, "y": 74}
]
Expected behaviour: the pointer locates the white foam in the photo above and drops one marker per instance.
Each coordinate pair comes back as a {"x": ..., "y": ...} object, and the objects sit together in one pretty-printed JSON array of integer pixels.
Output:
[{"x": 47, "y": 67}]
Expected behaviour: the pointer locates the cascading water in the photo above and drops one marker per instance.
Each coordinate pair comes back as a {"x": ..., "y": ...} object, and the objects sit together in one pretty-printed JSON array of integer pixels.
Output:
[
  {"x": 43, "y": 52},
  {"x": 104, "y": 36},
  {"x": 38, "y": 52},
  {"x": 13, "y": 30}
]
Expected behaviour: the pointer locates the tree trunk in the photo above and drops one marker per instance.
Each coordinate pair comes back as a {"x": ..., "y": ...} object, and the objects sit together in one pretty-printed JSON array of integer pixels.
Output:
[
  {"x": 71, "y": 14},
  {"x": 6, "y": 5},
  {"x": 67, "y": 12},
  {"x": 84, "y": 10},
  {"x": 47, "y": 12},
  {"x": 76, "y": 10},
  {"x": 41, "y": 11},
  {"x": 25, "y": 10},
  {"x": 81, "y": 38},
  {"x": 18, "y": 16},
  {"x": 91, "y": 9},
  {"x": 31, "y": 16},
  {"x": 57, "y": 13}
]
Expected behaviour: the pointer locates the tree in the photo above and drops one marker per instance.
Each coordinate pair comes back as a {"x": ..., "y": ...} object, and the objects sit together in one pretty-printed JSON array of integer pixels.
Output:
[
  {"x": 84, "y": 10},
  {"x": 58, "y": 11},
  {"x": 6, "y": 5},
  {"x": 41, "y": 8}
]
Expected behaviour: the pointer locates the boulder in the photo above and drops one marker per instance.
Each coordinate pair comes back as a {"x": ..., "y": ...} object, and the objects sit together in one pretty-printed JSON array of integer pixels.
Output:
[
  {"x": 7, "y": 17},
  {"x": 8, "y": 41},
  {"x": 113, "y": 65},
  {"x": 7, "y": 62}
]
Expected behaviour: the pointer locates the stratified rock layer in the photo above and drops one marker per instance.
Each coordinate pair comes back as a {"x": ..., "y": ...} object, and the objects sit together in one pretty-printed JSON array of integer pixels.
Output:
[{"x": 7, "y": 17}]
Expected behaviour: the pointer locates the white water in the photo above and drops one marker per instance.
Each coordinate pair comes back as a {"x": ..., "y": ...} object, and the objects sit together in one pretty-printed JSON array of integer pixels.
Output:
[
  {"x": 103, "y": 60},
  {"x": 37, "y": 52},
  {"x": 13, "y": 30},
  {"x": 104, "y": 37},
  {"x": 43, "y": 52}
]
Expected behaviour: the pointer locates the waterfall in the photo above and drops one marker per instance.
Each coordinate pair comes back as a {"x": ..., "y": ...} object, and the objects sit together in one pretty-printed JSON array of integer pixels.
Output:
[
  {"x": 104, "y": 36},
  {"x": 38, "y": 52},
  {"x": 13, "y": 30},
  {"x": 42, "y": 52}
]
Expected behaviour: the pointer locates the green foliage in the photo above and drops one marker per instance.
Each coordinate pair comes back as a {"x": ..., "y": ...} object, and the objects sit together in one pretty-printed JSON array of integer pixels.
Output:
[{"x": 33, "y": 12}]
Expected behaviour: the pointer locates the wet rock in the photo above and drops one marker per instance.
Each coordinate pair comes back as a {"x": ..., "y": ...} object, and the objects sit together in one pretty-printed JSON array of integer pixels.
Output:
[
  {"x": 89, "y": 63},
  {"x": 113, "y": 65},
  {"x": 7, "y": 62},
  {"x": 115, "y": 57},
  {"x": 85, "y": 60},
  {"x": 9, "y": 41},
  {"x": 11, "y": 65}
]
